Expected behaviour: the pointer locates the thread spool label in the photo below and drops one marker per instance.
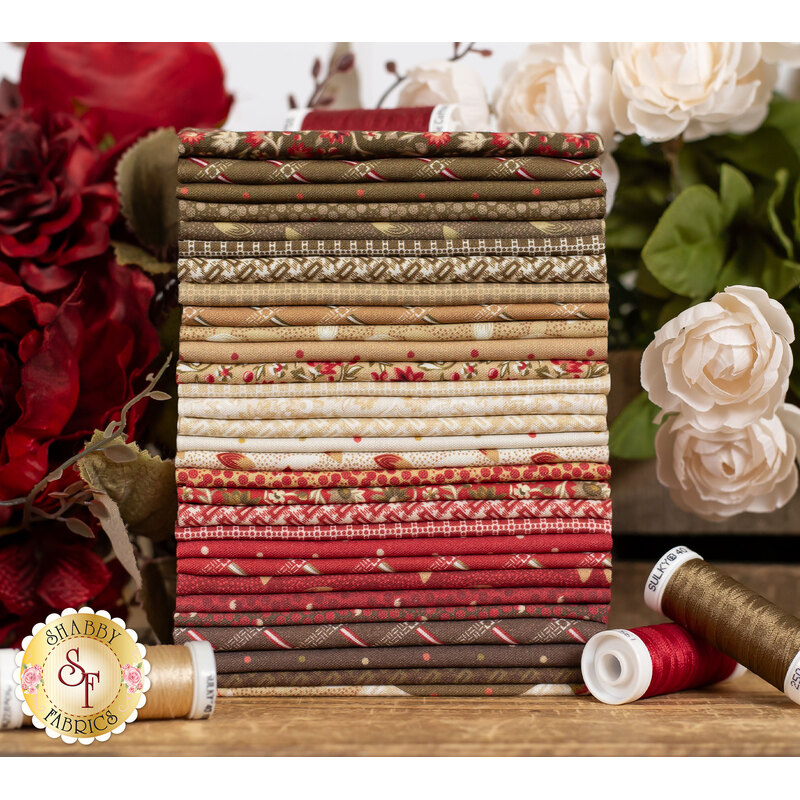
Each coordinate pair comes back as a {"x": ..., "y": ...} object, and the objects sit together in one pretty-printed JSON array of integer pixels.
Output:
[
  {"x": 661, "y": 573},
  {"x": 82, "y": 676},
  {"x": 791, "y": 684}
]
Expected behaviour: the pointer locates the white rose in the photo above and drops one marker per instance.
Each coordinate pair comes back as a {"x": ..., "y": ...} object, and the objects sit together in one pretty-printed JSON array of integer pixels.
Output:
[
  {"x": 716, "y": 475},
  {"x": 448, "y": 82},
  {"x": 789, "y": 415},
  {"x": 786, "y": 52},
  {"x": 723, "y": 363},
  {"x": 561, "y": 87},
  {"x": 662, "y": 90}
]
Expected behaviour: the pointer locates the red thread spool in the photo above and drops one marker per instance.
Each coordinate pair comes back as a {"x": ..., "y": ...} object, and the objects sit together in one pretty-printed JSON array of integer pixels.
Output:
[
  {"x": 621, "y": 666},
  {"x": 363, "y": 119}
]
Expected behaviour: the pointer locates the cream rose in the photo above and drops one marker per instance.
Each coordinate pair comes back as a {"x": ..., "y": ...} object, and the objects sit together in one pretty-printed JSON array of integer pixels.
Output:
[
  {"x": 724, "y": 363},
  {"x": 716, "y": 475},
  {"x": 662, "y": 90},
  {"x": 448, "y": 82},
  {"x": 561, "y": 87}
]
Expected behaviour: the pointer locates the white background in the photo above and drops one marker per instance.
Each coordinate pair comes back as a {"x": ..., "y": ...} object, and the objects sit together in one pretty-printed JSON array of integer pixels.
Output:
[{"x": 262, "y": 75}]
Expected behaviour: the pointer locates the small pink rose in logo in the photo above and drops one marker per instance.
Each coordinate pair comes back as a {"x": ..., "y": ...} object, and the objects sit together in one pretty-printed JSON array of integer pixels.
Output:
[
  {"x": 31, "y": 678},
  {"x": 132, "y": 678}
]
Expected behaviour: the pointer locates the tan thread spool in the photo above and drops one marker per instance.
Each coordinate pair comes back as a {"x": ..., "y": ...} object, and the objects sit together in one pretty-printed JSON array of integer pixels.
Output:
[
  {"x": 183, "y": 684},
  {"x": 730, "y": 617}
]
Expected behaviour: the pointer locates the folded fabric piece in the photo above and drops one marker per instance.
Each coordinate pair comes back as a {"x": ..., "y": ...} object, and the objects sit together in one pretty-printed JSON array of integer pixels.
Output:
[
  {"x": 332, "y": 294},
  {"x": 433, "y": 529},
  {"x": 390, "y": 407},
  {"x": 392, "y": 426},
  {"x": 378, "y": 232},
  {"x": 587, "y": 490},
  {"x": 407, "y": 192},
  {"x": 351, "y": 566},
  {"x": 380, "y": 581},
  {"x": 420, "y": 459},
  {"x": 283, "y": 316},
  {"x": 439, "y": 352},
  {"x": 389, "y": 371},
  {"x": 421, "y": 690},
  {"x": 480, "y": 331},
  {"x": 218, "y": 478},
  {"x": 197, "y": 621},
  {"x": 452, "y": 210},
  {"x": 398, "y": 269},
  {"x": 386, "y": 170},
  {"x": 393, "y": 634},
  {"x": 301, "y": 601},
  {"x": 442, "y": 656},
  {"x": 549, "y": 549},
  {"x": 386, "y": 389},
  {"x": 363, "y": 145},
  {"x": 366, "y": 677},
  {"x": 486, "y": 243},
  {"x": 399, "y": 444},
  {"x": 357, "y": 513}
]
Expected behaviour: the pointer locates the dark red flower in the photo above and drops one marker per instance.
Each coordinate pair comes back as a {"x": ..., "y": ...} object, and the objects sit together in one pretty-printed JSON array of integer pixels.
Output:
[
  {"x": 407, "y": 374},
  {"x": 128, "y": 87},
  {"x": 334, "y": 137},
  {"x": 54, "y": 211},
  {"x": 67, "y": 370}
]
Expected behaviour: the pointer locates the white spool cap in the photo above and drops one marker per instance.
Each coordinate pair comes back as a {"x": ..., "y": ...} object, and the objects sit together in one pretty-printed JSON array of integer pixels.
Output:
[
  {"x": 616, "y": 667},
  {"x": 10, "y": 705},
  {"x": 662, "y": 572},
  {"x": 205, "y": 679}
]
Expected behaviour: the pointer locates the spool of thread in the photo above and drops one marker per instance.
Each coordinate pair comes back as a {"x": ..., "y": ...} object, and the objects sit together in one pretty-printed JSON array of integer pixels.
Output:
[
  {"x": 729, "y": 616},
  {"x": 428, "y": 118},
  {"x": 183, "y": 684},
  {"x": 621, "y": 666}
]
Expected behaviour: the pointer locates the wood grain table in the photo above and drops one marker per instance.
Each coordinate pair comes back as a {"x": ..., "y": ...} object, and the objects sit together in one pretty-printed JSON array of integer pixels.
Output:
[{"x": 745, "y": 717}]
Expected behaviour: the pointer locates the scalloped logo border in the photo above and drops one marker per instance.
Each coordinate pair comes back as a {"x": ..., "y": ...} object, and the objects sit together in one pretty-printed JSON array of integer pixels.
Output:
[{"x": 54, "y": 734}]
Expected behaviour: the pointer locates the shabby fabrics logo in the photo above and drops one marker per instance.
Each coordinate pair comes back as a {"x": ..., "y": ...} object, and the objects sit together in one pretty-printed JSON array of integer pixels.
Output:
[{"x": 82, "y": 675}]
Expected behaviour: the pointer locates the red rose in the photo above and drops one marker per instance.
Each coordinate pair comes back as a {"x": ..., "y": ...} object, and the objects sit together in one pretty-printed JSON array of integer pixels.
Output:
[
  {"x": 67, "y": 370},
  {"x": 129, "y": 87},
  {"x": 54, "y": 212}
]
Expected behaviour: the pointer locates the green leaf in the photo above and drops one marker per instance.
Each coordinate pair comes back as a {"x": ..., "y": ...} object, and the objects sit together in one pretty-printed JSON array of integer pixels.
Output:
[
  {"x": 632, "y": 434},
  {"x": 755, "y": 263},
  {"x": 796, "y": 213},
  {"x": 133, "y": 255},
  {"x": 146, "y": 178},
  {"x": 784, "y": 114},
  {"x": 736, "y": 193},
  {"x": 761, "y": 153},
  {"x": 773, "y": 219},
  {"x": 143, "y": 488},
  {"x": 687, "y": 248}
]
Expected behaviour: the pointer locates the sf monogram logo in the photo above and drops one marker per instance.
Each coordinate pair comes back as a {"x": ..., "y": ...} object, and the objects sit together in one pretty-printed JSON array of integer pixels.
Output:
[
  {"x": 82, "y": 676},
  {"x": 86, "y": 678}
]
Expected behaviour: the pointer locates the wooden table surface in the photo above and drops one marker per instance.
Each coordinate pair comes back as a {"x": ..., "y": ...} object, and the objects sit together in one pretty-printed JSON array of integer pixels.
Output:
[{"x": 746, "y": 717}]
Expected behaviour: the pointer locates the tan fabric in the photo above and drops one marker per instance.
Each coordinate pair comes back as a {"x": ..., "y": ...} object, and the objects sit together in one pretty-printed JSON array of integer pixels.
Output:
[{"x": 457, "y": 294}]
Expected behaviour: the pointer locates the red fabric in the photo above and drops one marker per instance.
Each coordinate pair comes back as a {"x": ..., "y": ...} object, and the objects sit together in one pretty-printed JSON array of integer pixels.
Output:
[
  {"x": 367, "y": 513},
  {"x": 399, "y": 530},
  {"x": 300, "y": 601},
  {"x": 557, "y": 544},
  {"x": 380, "y": 564},
  {"x": 197, "y": 584}
]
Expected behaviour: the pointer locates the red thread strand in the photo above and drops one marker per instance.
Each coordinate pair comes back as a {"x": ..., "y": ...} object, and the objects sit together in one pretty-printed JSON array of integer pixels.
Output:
[{"x": 681, "y": 660}]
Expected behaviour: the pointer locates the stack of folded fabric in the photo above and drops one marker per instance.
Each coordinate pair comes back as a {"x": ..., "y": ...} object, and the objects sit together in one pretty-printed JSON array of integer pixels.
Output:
[{"x": 392, "y": 453}]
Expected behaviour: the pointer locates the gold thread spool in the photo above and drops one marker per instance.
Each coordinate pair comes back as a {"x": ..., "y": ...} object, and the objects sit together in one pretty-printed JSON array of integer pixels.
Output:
[
  {"x": 183, "y": 684},
  {"x": 732, "y": 618},
  {"x": 171, "y": 683}
]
